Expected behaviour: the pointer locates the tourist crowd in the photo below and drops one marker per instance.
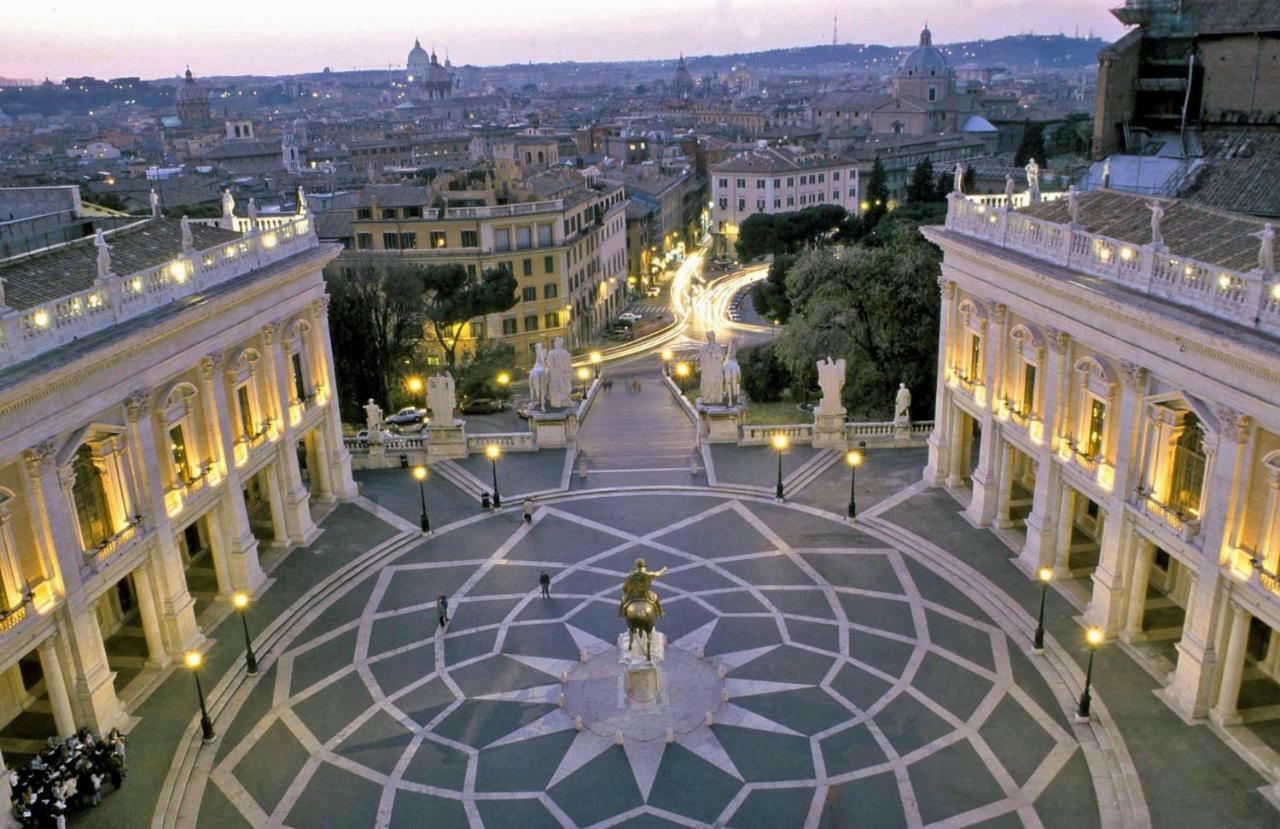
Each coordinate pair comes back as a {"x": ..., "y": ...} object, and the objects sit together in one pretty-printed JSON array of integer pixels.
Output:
[{"x": 68, "y": 775}]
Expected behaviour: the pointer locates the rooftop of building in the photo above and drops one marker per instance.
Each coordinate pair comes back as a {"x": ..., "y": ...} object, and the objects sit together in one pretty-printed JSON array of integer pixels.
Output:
[
  {"x": 41, "y": 277},
  {"x": 775, "y": 160}
]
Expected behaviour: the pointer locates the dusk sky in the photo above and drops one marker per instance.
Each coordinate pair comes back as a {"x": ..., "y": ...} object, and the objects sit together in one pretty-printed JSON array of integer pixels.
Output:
[{"x": 152, "y": 39}]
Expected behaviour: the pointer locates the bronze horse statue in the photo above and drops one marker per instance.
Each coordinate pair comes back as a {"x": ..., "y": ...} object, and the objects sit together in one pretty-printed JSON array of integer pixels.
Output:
[{"x": 640, "y": 605}]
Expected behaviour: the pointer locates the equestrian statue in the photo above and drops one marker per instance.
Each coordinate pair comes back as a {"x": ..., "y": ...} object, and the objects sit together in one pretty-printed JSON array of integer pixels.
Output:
[{"x": 640, "y": 605}]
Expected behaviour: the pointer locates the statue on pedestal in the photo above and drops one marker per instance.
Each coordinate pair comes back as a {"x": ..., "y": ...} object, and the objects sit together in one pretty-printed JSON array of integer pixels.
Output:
[
  {"x": 301, "y": 208},
  {"x": 1266, "y": 248},
  {"x": 559, "y": 376},
  {"x": 1157, "y": 217},
  {"x": 711, "y": 360},
  {"x": 958, "y": 184},
  {"x": 441, "y": 399},
  {"x": 104, "y": 255},
  {"x": 640, "y": 605},
  {"x": 831, "y": 380},
  {"x": 1033, "y": 176},
  {"x": 732, "y": 375},
  {"x": 253, "y": 213},
  {"x": 1073, "y": 205},
  {"x": 188, "y": 244},
  {"x": 1008, "y": 192},
  {"x": 902, "y": 405},
  {"x": 372, "y": 417},
  {"x": 155, "y": 204},
  {"x": 228, "y": 205},
  {"x": 538, "y": 380}
]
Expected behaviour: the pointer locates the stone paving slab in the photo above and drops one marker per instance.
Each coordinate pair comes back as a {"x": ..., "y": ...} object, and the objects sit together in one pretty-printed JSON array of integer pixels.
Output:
[{"x": 757, "y": 465}]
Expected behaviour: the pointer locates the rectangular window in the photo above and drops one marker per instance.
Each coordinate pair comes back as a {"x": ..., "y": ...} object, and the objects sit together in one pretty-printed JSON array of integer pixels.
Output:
[
  {"x": 364, "y": 213},
  {"x": 544, "y": 236},
  {"x": 391, "y": 241},
  {"x": 975, "y": 356},
  {"x": 509, "y": 326},
  {"x": 548, "y": 264},
  {"x": 527, "y": 267},
  {"x": 245, "y": 406},
  {"x": 822, "y": 178},
  {"x": 438, "y": 239},
  {"x": 791, "y": 181},
  {"x": 724, "y": 182},
  {"x": 528, "y": 293},
  {"x": 1028, "y": 388},
  {"x": 550, "y": 290},
  {"x": 742, "y": 204},
  {"x": 388, "y": 212},
  {"x": 364, "y": 241},
  {"x": 724, "y": 203},
  {"x": 413, "y": 212},
  {"x": 835, "y": 176},
  {"x": 777, "y": 203},
  {"x": 477, "y": 330},
  {"x": 1097, "y": 424},
  {"x": 299, "y": 379},
  {"x": 759, "y": 204},
  {"x": 777, "y": 182},
  {"x": 469, "y": 239},
  {"x": 181, "y": 463},
  {"x": 502, "y": 239},
  {"x": 759, "y": 184},
  {"x": 408, "y": 241},
  {"x": 524, "y": 237},
  {"x": 471, "y": 271},
  {"x": 742, "y": 182},
  {"x": 791, "y": 201},
  {"x": 531, "y": 322},
  {"x": 551, "y": 320}
]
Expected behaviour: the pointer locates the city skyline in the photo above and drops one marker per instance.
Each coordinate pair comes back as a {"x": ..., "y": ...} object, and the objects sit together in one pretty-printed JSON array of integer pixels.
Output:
[{"x": 73, "y": 39}]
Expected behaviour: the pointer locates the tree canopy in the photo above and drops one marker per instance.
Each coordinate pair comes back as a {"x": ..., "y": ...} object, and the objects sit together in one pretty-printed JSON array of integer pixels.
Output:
[
  {"x": 451, "y": 295},
  {"x": 777, "y": 233},
  {"x": 1031, "y": 146},
  {"x": 922, "y": 187}
]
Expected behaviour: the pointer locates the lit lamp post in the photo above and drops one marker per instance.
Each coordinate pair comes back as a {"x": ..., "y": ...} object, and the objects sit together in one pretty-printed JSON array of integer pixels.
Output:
[
  {"x": 416, "y": 387},
  {"x": 503, "y": 379},
  {"x": 1093, "y": 638},
  {"x": 420, "y": 475},
  {"x": 780, "y": 444},
  {"x": 1045, "y": 575},
  {"x": 493, "y": 452},
  {"x": 584, "y": 374},
  {"x": 854, "y": 458},
  {"x": 193, "y": 661},
  {"x": 596, "y": 358},
  {"x": 682, "y": 371},
  {"x": 667, "y": 356},
  {"x": 240, "y": 601}
]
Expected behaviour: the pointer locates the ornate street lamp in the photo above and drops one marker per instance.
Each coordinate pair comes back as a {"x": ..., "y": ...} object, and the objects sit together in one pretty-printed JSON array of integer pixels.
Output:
[
  {"x": 193, "y": 661},
  {"x": 584, "y": 374},
  {"x": 780, "y": 444},
  {"x": 596, "y": 358},
  {"x": 1045, "y": 575},
  {"x": 416, "y": 387},
  {"x": 493, "y": 452},
  {"x": 240, "y": 601},
  {"x": 854, "y": 459},
  {"x": 1093, "y": 639},
  {"x": 667, "y": 356},
  {"x": 682, "y": 371},
  {"x": 420, "y": 475}
]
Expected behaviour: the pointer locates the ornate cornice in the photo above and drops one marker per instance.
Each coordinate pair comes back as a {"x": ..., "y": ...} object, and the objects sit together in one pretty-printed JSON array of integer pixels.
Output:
[{"x": 40, "y": 458}]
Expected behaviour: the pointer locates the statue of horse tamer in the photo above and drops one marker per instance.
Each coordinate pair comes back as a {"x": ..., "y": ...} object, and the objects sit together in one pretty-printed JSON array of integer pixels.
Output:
[{"x": 640, "y": 605}]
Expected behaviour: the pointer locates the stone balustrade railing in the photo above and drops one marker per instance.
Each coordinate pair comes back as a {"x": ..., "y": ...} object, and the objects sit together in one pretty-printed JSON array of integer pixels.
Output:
[
  {"x": 1023, "y": 199},
  {"x": 243, "y": 224},
  {"x": 1250, "y": 299},
  {"x": 33, "y": 331},
  {"x": 762, "y": 434},
  {"x": 507, "y": 441}
]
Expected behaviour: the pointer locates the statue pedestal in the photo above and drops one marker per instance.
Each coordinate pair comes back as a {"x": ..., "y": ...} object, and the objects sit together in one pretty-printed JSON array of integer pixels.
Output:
[
  {"x": 642, "y": 677},
  {"x": 721, "y": 423},
  {"x": 829, "y": 430},
  {"x": 902, "y": 428},
  {"x": 554, "y": 428},
  {"x": 446, "y": 441}
]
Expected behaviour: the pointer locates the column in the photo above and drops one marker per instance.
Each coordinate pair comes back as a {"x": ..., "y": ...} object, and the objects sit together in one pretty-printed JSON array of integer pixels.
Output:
[
  {"x": 93, "y": 691},
  {"x": 1143, "y": 553},
  {"x": 957, "y": 462},
  {"x": 1192, "y": 683},
  {"x": 318, "y": 463},
  {"x": 985, "y": 478},
  {"x": 1004, "y": 488},
  {"x": 1065, "y": 529},
  {"x": 1042, "y": 523},
  {"x": 1115, "y": 543},
  {"x": 275, "y": 499},
  {"x": 218, "y": 551},
  {"x": 55, "y": 525},
  {"x": 10, "y": 566},
  {"x": 1225, "y": 711},
  {"x": 55, "y": 685},
  {"x": 937, "y": 470},
  {"x": 337, "y": 457},
  {"x": 169, "y": 579},
  {"x": 149, "y": 611},
  {"x": 297, "y": 507}
]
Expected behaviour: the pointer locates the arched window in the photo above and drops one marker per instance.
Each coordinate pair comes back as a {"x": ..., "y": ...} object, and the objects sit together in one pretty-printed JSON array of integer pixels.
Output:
[
  {"x": 1188, "y": 467},
  {"x": 90, "y": 496}
]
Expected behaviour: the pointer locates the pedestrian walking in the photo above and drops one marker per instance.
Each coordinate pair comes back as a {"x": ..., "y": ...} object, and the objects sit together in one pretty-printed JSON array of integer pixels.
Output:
[
  {"x": 545, "y": 581},
  {"x": 442, "y": 607},
  {"x": 528, "y": 510}
]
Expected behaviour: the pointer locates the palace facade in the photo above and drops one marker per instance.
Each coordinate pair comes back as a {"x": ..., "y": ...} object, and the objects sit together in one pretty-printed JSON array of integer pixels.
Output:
[
  {"x": 1109, "y": 402},
  {"x": 166, "y": 416}
]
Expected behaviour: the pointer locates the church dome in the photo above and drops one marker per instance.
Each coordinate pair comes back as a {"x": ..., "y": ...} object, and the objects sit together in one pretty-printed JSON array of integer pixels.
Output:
[
  {"x": 417, "y": 62},
  {"x": 435, "y": 72},
  {"x": 925, "y": 61},
  {"x": 190, "y": 91}
]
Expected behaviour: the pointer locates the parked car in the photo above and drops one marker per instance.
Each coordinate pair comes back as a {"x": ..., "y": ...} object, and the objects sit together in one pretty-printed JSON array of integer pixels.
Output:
[
  {"x": 526, "y": 409},
  {"x": 653, "y": 291},
  {"x": 408, "y": 417},
  {"x": 366, "y": 434},
  {"x": 630, "y": 316},
  {"x": 483, "y": 405}
]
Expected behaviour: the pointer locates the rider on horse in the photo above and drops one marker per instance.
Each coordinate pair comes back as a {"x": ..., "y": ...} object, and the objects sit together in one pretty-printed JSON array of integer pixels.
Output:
[{"x": 638, "y": 587}]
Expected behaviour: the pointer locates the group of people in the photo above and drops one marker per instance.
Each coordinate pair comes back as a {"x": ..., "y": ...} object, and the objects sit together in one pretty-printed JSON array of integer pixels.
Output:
[{"x": 66, "y": 776}]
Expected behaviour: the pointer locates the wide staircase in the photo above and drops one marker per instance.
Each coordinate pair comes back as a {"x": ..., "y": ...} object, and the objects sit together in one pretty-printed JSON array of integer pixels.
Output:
[{"x": 636, "y": 438}]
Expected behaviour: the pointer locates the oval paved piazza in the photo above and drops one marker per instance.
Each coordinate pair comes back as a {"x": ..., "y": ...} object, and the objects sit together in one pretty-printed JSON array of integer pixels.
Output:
[{"x": 862, "y": 684}]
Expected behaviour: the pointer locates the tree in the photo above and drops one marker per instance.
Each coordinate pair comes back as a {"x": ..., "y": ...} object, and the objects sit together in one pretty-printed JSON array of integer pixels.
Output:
[
  {"x": 769, "y": 296},
  {"x": 877, "y": 197},
  {"x": 764, "y": 375},
  {"x": 108, "y": 200},
  {"x": 205, "y": 210},
  {"x": 375, "y": 325},
  {"x": 778, "y": 233},
  {"x": 875, "y": 306},
  {"x": 451, "y": 295},
  {"x": 922, "y": 188},
  {"x": 1032, "y": 145},
  {"x": 1072, "y": 137},
  {"x": 478, "y": 375}
]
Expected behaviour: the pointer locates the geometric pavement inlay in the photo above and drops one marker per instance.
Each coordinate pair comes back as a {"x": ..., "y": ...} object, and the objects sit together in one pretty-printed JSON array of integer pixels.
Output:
[{"x": 856, "y": 689}]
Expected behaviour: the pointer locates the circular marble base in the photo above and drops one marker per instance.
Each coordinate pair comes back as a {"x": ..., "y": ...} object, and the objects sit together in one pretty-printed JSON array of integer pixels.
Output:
[{"x": 688, "y": 688}]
